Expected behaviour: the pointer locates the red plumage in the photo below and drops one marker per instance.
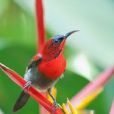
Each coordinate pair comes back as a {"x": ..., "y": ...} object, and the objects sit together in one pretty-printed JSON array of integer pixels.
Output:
[
  {"x": 53, "y": 69},
  {"x": 53, "y": 62}
]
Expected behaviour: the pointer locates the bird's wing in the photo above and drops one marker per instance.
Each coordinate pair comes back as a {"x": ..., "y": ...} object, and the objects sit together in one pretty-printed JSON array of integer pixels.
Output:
[
  {"x": 31, "y": 70},
  {"x": 34, "y": 63}
]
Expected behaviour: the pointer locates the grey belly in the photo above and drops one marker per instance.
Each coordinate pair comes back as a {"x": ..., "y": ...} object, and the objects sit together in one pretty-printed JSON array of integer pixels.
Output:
[{"x": 39, "y": 80}]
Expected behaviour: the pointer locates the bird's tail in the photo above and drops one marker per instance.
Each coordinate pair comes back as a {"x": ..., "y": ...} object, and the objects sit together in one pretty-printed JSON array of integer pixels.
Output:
[{"x": 21, "y": 101}]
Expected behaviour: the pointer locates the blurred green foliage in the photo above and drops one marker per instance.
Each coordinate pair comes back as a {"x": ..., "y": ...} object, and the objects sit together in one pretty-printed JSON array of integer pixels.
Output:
[{"x": 18, "y": 44}]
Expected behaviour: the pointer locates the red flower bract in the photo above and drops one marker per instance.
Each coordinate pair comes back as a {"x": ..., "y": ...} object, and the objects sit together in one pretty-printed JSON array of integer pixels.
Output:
[
  {"x": 112, "y": 108},
  {"x": 32, "y": 91},
  {"x": 40, "y": 24}
]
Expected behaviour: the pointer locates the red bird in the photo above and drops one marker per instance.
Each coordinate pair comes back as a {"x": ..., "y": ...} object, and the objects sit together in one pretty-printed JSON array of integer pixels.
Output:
[{"x": 45, "y": 69}]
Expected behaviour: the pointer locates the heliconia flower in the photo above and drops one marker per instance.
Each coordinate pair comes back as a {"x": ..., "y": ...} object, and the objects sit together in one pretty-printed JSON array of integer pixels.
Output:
[
  {"x": 87, "y": 100},
  {"x": 83, "y": 95},
  {"x": 88, "y": 94},
  {"x": 73, "y": 110},
  {"x": 40, "y": 24},
  {"x": 32, "y": 91},
  {"x": 42, "y": 110},
  {"x": 112, "y": 108}
]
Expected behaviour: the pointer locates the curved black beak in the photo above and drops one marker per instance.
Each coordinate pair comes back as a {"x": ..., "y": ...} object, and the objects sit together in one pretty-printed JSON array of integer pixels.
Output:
[{"x": 69, "y": 33}]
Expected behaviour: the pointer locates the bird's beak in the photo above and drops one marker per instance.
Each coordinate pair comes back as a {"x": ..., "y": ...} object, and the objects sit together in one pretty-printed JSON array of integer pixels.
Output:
[{"x": 69, "y": 33}]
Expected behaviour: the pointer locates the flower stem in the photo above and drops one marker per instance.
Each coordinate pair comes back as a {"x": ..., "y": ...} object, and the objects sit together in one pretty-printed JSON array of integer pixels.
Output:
[{"x": 40, "y": 24}]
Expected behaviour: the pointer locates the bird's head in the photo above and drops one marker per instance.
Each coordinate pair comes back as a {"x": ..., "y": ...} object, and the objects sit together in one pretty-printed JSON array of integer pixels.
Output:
[{"x": 55, "y": 46}]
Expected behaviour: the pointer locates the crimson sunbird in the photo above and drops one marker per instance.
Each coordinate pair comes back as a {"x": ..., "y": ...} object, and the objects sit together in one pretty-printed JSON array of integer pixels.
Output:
[{"x": 45, "y": 68}]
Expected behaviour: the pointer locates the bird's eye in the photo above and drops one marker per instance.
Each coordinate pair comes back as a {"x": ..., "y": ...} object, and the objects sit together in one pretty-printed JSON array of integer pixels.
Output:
[
  {"x": 56, "y": 41},
  {"x": 58, "y": 38}
]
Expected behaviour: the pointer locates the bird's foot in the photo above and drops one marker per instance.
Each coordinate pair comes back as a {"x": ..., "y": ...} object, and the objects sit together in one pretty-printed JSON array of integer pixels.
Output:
[
  {"x": 27, "y": 85},
  {"x": 56, "y": 104}
]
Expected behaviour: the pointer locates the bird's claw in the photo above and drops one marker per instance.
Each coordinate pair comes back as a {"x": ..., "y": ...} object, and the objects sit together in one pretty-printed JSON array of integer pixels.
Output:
[
  {"x": 27, "y": 85},
  {"x": 56, "y": 104}
]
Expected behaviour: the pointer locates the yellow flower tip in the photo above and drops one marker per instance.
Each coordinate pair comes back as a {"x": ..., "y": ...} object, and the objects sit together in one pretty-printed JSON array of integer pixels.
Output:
[
  {"x": 54, "y": 93},
  {"x": 89, "y": 99},
  {"x": 73, "y": 110},
  {"x": 85, "y": 112},
  {"x": 64, "y": 109}
]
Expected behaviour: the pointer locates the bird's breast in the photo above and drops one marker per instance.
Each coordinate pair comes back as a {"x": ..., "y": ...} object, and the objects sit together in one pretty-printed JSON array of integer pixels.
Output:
[{"x": 53, "y": 69}]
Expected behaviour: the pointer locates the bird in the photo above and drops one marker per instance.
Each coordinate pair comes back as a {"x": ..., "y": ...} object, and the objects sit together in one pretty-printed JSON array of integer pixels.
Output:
[{"x": 45, "y": 69}]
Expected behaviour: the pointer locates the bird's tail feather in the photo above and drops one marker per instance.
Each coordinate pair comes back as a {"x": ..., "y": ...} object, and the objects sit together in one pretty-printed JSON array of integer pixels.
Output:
[{"x": 21, "y": 101}]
